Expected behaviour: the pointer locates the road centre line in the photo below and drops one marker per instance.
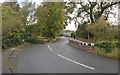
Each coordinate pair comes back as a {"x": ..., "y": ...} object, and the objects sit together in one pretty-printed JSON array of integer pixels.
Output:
[
  {"x": 76, "y": 62},
  {"x": 50, "y": 48},
  {"x": 72, "y": 60}
]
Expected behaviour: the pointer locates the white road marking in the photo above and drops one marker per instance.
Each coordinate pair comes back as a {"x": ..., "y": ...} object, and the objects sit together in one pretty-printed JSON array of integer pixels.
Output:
[
  {"x": 76, "y": 62},
  {"x": 50, "y": 48}
]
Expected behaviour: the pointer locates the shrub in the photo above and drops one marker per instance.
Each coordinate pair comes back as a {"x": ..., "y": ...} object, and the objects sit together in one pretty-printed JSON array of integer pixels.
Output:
[
  {"x": 7, "y": 43},
  {"x": 114, "y": 54},
  {"x": 117, "y": 43},
  {"x": 106, "y": 45},
  {"x": 34, "y": 40}
]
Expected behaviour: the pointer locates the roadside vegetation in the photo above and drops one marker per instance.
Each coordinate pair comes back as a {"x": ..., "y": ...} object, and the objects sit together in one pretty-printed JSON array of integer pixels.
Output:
[
  {"x": 95, "y": 27},
  {"x": 30, "y": 24}
]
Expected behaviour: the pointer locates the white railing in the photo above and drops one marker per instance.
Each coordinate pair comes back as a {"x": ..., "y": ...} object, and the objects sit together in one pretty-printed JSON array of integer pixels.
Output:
[{"x": 81, "y": 42}]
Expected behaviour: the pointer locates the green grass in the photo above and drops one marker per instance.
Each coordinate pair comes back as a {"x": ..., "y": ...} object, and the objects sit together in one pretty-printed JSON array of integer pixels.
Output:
[{"x": 115, "y": 54}]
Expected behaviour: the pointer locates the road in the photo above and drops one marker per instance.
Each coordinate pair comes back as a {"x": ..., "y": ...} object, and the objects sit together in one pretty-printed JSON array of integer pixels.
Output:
[
  {"x": 0, "y": 61},
  {"x": 60, "y": 57}
]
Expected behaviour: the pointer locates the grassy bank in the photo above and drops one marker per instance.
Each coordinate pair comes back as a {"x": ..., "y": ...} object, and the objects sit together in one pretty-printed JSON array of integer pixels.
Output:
[{"x": 114, "y": 54}]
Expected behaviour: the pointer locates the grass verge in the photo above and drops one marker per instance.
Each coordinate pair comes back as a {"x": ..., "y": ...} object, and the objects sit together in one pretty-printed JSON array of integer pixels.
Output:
[{"x": 115, "y": 54}]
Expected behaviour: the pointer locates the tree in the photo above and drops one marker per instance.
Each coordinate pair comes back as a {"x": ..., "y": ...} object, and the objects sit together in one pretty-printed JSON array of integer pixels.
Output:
[
  {"x": 11, "y": 25},
  {"x": 102, "y": 30},
  {"x": 50, "y": 18},
  {"x": 27, "y": 13},
  {"x": 81, "y": 32},
  {"x": 90, "y": 11}
]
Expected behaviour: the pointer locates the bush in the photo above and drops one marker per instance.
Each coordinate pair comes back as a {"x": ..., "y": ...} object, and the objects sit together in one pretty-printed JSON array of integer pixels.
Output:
[
  {"x": 34, "y": 40},
  {"x": 106, "y": 45},
  {"x": 114, "y": 54},
  {"x": 7, "y": 43},
  {"x": 117, "y": 43}
]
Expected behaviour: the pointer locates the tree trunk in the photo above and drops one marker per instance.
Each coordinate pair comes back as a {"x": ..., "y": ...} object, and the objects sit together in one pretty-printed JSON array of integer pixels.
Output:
[{"x": 91, "y": 16}]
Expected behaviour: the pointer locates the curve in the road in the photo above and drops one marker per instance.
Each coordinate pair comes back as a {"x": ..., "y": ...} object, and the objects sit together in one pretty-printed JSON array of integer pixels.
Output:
[
  {"x": 72, "y": 60},
  {"x": 60, "y": 57}
]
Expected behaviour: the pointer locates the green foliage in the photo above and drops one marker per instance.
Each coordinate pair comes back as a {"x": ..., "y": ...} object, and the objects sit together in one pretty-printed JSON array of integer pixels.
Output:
[
  {"x": 114, "y": 54},
  {"x": 34, "y": 40},
  {"x": 108, "y": 49},
  {"x": 106, "y": 45},
  {"x": 12, "y": 27},
  {"x": 50, "y": 18},
  {"x": 22, "y": 24},
  {"x": 117, "y": 44},
  {"x": 102, "y": 30},
  {"x": 73, "y": 34},
  {"x": 81, "y": 31},
  {"x": 28, "y": 18},
  {"x": 16, "y": 26}
]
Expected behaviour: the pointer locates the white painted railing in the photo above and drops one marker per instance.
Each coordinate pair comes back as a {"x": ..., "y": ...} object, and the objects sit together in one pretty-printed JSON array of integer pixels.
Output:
[{"x": 81, "y": 42}]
